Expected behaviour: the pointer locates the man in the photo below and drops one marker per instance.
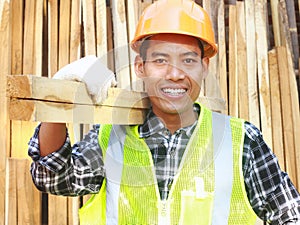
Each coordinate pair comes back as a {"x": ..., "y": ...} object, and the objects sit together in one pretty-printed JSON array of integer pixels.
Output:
[{"x": 185, "y": 164}]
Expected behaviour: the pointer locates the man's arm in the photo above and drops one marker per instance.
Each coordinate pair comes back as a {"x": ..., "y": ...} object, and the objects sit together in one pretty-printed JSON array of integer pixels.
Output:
[{"x": 52, "y": 136}]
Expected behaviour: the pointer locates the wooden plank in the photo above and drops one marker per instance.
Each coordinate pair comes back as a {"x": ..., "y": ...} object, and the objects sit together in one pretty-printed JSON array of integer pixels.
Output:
[
  {"x": 290, "y": 7},
  {"x": 22, "y": 195},
  {"x": 287, "y": 115},
  {"x": 42, "y": 88},
  {"x": 28, "y": 197},
  {"x": 64, "y": 33},
  {"x": 233, "y": 76},
  {"x": 101, "y": 30},
  {"x": 275, "y": 22},
  {"x": 75, "y": 35},
  {"x": 222, "y": 72},
  {"x": 212, "y": 85},
  {"x": 38, "y": 38},
  {"x": 262, "y": 69},
  {"x": 5, "y": 62},
  {"x": 17, "y": 37},
  {"x": 278, "y": 147},
  {"x": 132, "y": 17},
  {"x": 242, "y": 62},
  {"x": 52, "y": 37},
  {"x": 121, "y": 50},
  {"x": 295, "y": 115},
  {"x": 57, "y": 207},
  {"x": 29, "y": 32},
  {"x": 251, "y": 64},
  {"x": 88, "y": 13},
  {"x": 11, "y": 193},
  {"x": 34, "y": 110}
]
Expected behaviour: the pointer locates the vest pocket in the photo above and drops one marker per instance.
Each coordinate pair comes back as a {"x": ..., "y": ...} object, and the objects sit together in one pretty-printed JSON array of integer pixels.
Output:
[{"x": 196, "y": 210}]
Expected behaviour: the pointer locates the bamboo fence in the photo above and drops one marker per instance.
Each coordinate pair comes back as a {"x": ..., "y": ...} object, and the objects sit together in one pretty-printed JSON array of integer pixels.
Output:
[{"x": 256, "y": 72}]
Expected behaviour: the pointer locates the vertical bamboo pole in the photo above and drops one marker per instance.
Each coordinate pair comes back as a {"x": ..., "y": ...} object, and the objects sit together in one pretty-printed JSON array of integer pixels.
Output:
[
  {"x": 5, "y": 7},
  {"x": 251, "y": 63},
  {"x": 262, "y": 69}
]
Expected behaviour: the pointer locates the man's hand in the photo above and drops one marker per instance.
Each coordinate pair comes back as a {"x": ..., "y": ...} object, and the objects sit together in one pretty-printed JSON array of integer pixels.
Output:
[{"x": 97, "y": 77}]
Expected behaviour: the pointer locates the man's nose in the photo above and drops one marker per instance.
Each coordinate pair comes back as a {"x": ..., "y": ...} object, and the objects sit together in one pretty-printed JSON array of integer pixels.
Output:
[{"x": 175, "y": 72}]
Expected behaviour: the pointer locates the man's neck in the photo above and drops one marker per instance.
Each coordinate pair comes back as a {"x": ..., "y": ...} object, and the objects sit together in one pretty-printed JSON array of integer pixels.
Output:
[{"x": 175, "y": 121}]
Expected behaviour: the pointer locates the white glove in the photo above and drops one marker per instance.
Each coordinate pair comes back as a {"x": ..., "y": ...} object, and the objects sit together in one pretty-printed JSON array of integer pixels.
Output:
[{"x": 96, "y": 76}]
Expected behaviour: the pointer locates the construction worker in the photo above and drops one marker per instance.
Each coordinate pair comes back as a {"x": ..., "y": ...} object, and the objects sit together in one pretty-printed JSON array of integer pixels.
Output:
[{"x": 185, "y": 164}]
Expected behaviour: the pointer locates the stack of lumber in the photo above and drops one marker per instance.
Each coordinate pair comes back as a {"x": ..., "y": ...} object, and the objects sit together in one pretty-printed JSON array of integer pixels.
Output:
[{"x": 255, "y": 73}]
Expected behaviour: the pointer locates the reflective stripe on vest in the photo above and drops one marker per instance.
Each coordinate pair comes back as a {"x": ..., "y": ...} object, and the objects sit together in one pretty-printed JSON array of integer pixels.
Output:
[
  {"x": 223, "y": 150},
  {"x": 114, "y": 164}
]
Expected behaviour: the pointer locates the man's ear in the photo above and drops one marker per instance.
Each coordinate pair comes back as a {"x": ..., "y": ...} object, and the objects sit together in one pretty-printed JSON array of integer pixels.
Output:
[
  {"x": 205, "y": 64},
  {"x": 139, "y": 66}
]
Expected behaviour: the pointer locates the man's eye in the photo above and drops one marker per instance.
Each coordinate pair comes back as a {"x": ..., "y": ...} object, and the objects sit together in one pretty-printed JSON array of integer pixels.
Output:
[
  {"x": 160, "y": 61},
  {"x": 189, "y": 60}
]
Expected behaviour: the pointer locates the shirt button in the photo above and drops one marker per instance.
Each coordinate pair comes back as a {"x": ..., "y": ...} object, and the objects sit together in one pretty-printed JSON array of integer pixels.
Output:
[{"x": 166, "y": 132}]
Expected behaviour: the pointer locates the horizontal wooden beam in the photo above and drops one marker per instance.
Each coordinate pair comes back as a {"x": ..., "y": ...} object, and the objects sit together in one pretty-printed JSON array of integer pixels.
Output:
[{"x": 42, "y": 99}]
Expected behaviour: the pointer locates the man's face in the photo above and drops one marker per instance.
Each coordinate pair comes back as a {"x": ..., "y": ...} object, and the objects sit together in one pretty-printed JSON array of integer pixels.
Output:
[{"x": 172, "y": 73}]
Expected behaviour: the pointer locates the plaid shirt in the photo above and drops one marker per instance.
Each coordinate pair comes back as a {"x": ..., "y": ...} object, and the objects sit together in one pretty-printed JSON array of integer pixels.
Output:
[{"x": 270, "y": 191}]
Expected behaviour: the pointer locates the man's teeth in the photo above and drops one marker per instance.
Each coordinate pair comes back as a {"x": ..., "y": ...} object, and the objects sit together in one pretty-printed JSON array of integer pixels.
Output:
[{"x": 172, "y": 91}]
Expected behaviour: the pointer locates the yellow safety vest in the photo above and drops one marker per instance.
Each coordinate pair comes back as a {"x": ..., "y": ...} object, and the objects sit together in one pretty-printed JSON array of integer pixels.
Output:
[{"x": 208, "y": 188}]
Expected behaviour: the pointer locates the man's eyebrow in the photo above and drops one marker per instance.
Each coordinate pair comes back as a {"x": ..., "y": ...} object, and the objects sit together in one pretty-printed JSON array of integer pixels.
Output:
[
  {"x": 156, "y": 54},
  {"x": 192, "y": 53}
]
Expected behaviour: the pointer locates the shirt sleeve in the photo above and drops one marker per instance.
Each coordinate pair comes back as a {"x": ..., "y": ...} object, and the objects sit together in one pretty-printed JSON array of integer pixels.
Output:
[
  {"x": 69, "y": 171},
  {"x": 271, "y": 193}
]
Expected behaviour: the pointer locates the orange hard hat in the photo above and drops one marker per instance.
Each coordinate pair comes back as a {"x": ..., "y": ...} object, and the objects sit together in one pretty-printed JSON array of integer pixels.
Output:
[{"x": 177, "y": 17}]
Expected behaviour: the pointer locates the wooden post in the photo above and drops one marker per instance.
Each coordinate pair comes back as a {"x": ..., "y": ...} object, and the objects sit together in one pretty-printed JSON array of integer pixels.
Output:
[
  {"x": 121, "y": 44},
  {"x": 242, "y": 62},
  {"x": 52, "y": 37},
  {"x": 278, "y": 147},
  {"x": 287, "y": 115},
  {"x": 262, "y": 69},
  {"x": 222, "y": 72},
  {"x": 251, "y": 64},
  {"x": 22, "y": 195},
  {"x": 75, "y": 36},
  {"x": 88, "y": 12},
  {"x": 5, "y": 26},
  {"x": 275, "y": 22},
  {"x": 233, "y": 76},
  {"x": 101, "y": 30}
]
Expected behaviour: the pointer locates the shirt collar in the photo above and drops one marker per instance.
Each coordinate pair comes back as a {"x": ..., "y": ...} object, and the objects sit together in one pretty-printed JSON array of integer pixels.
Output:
[{"x": 154, "y": 125}]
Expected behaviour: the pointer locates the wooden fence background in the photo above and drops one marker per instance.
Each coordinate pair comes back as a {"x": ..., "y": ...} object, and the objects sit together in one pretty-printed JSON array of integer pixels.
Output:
[{"x": 256, "y": 72}]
